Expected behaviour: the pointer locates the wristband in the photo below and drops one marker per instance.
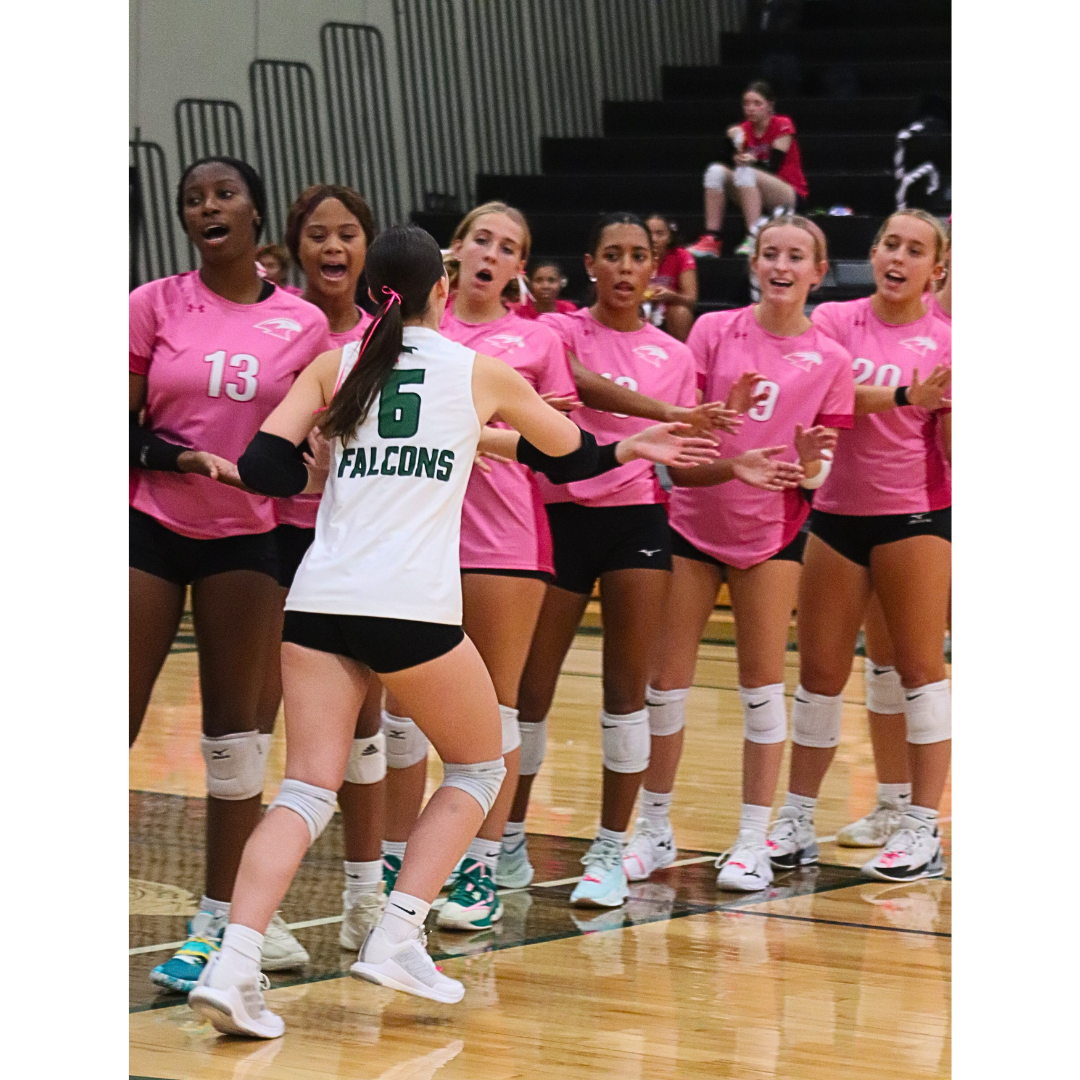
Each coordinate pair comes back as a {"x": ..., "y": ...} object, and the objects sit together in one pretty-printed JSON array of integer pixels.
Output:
[
  {"x": 900, "y": 397},
  {"x": 147, "y": 451},
  {"x": 813, "y": 482}
]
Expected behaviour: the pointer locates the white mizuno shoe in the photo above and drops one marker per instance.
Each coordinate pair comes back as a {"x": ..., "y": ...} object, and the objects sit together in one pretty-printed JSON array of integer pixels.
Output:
[
  {"x": 874, "y": 829},
  {"x": 406, "y": 967},
  {"x": 745, "y": 868},
  {"x": 649, "y": 849},
  {"x": 234, "y": 1006}
]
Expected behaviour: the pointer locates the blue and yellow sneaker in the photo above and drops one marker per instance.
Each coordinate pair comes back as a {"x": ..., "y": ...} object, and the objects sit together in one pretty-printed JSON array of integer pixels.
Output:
[
  {"x": 473, "y": 904},
  {"x": 604, "y": 883},
  {"x": 187, "y": 963}
]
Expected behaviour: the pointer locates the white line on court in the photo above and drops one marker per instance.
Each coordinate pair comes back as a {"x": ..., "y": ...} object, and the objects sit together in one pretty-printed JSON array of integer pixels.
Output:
[{"x": 329, "y": 919}]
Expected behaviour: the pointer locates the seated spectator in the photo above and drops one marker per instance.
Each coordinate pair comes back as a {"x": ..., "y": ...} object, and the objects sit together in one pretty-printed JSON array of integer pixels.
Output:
[
  {"x": 767, "y": 173},
  {"x": 673, "y": 289},
  {"x": 274, "y": 261},
  {"x": 546, "y": 281}
]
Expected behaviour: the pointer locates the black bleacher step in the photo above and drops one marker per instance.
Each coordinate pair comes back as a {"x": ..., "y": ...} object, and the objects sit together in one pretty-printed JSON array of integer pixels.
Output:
[
  {"x": 660, "y": 154},
  {"x": 841, "y": 14},
  {"x": 848, "y": 43},
  {"x": 706, "y": 116},
  {"x": 565, "y": 236},
  {"x": 868, "y": 192},
  {"x": 867, "y": 77}
]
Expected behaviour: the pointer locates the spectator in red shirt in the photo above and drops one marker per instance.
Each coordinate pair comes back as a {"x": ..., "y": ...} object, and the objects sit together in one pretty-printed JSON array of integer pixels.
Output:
[
  {"x": 767, "y": 174},
  {"x": 546, "y": 281},
  {"x": 673, "y": 289}
]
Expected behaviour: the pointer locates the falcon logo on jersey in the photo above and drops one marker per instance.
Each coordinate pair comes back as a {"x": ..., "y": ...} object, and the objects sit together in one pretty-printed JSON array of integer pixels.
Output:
[
  {"x": 805, "y": 361},
  {"x": 507, "y": 341},
  {"x": 280, "y": 328},
  {"x": 920, "y": 345},
  {"x": 651, "y": 354}
]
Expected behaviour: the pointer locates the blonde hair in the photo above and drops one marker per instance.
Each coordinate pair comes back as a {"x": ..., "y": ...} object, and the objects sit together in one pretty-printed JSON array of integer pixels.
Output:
[
  {"x": 941, "y": 237},
  {"x": 821, "y": 245},
  {"x": 512, "y": 292}
]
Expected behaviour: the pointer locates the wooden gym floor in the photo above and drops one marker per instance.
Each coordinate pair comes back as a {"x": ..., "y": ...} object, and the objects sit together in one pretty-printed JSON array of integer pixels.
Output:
[{"x": 824, "y": 975}]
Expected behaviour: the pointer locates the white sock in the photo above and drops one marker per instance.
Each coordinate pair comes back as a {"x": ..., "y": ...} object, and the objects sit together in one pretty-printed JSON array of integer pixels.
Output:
[
  {"x": 924, "y": 814},
  {"x": 513, "y": 830},
  {"x": 362, "y": 878},
  {"x": 394, "y": 847},
  {"x": 216, "y": 907},
  {"x": 241, "y": 952},
  {"x": 803, "y": 803},
  {"x": 754, "y": 822},
  {"x": 404, "y": 915},
  {"x": 655, "y": 807},
  {"x": 610, "y": 834},
  {"x": 487, "y": 851},
  {"x": 894, "y": 794}
]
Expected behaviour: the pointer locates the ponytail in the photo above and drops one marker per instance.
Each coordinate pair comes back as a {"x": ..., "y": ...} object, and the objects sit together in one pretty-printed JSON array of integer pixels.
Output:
[{"x": 403, "y": 264}]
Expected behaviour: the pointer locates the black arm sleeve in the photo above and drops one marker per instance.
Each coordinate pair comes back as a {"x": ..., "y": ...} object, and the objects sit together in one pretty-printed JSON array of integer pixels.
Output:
[
  {"x": 586, "y": 461},
  {"x": 776, "y": 159},
  {"x": 147, "y": 451},
  {"x": 271, "y": 465}
]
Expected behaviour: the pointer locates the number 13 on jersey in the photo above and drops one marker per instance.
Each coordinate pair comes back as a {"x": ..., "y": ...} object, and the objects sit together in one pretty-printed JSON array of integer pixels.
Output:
[{"x": 249, "y": 369}]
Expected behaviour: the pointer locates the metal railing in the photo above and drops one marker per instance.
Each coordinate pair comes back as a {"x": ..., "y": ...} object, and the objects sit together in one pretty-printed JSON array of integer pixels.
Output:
[
  {"x": 206, "y": 127},
  {"x": 152, "y": 253},
  {"x": 288, "y": 141},
  {"x": 359, "y": 113}
]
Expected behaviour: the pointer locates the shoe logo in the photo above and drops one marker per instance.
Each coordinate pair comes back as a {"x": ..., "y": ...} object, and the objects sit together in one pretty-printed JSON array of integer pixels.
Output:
[
  {"x": 805, "y": 361},
  {"x": 651, "y": 354},
  {"x": 759, "y": 705},
  {"x": 280, "y": 328},
  {"x": 882, "y": 670},
  {"x": 405, "y": 909},
  {"x": 646, "y": 551},
  {"x": 919, "y": 519},
  {"x": 920, "y": 345}
]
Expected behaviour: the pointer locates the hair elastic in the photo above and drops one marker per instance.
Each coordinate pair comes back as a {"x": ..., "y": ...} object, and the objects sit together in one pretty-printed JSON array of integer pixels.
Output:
[{"x": 387, "y": 291}]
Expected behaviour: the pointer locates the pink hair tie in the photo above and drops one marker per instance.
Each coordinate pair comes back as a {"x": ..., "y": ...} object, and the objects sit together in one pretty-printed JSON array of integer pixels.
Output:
[{"x": 391, "y": 293}]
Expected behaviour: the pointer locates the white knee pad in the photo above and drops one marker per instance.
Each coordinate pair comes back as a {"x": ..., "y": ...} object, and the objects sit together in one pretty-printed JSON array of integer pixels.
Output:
[
  {"x": 667, "y": 710},
  {"x": 314, "y": 804},
  {"x": 625, "y": 741},
  {"x": 715, "y": 176},
  {"x": 533, "y": 745},
  {"x": 511, "y": 729},
  {"x": 234, "y": 765},
  {"x": 884, "y": 694},
  {"x": 764, "y": 713},
  {"x": 265, "y": 742},
  {"x": 744, "y": 176},
  {"x": 406, "y": 744},
  {"x": 815, "y": 718},
  {"x": 367, "y": 760},
  {"x": 928, "y": 710},
  {"x": 482, "y": 780}
]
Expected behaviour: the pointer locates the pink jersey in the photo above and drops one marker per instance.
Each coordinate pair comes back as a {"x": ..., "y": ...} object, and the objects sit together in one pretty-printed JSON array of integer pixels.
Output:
[
  {"x": 301, "y": 510},
  {"x": 891, "y": 462},
  {"x": 215, "y": 370},
  {"x": 808, "y": 380},
  {"x": 646, "y": 360},
  {"x": 503, "y": 524},
  {"x": 934, "y": 307}
]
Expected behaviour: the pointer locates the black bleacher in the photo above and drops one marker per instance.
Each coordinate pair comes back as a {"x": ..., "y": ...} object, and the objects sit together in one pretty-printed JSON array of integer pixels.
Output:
[{"x": 852, "y": 75}]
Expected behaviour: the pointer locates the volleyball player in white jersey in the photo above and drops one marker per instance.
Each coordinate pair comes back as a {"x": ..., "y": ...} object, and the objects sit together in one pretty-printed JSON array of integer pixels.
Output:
[{"x": 380, "y": 590}]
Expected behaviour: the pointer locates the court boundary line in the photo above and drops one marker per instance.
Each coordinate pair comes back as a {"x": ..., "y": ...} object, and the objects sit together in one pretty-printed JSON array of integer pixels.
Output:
[{"x": 736, "y": 906}]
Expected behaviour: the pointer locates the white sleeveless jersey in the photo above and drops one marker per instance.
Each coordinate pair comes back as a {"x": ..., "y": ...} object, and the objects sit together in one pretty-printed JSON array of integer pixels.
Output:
[{"x": 387, "y": 532}]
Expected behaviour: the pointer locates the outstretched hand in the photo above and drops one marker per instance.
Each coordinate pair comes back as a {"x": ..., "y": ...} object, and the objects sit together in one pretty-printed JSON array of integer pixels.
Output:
[
  {"x": 675, "y": 445},
  {"x": 318, "y": 461},
  {"x": 742, "y": 397},
  {"x": 203, "y": 463},
  {"x": 760, "y": 469},
  {"x": 564, "y": 404},
  {"x": 706, "y": 417},
  {"x": 810, "y": 443},
  {"x": 932, "y": 394}
]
